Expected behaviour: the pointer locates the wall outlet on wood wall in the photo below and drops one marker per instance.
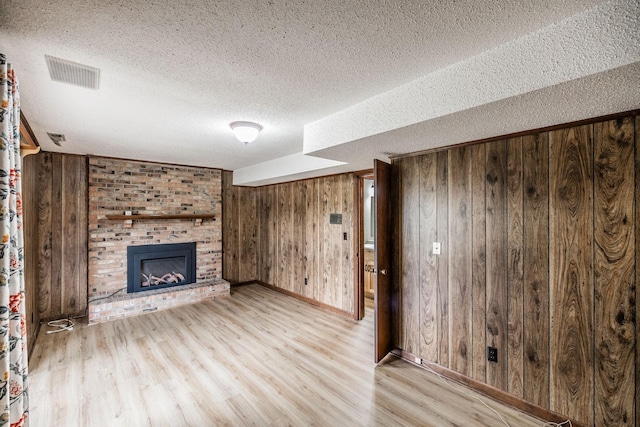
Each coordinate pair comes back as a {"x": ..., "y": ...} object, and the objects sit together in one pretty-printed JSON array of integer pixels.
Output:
[{"x": 492, "y": 354}]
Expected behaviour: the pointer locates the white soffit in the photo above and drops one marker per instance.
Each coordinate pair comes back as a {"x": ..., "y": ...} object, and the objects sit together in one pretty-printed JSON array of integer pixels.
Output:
[
  {"x": 532, "y": 110},
  {"x": 278, "y": 169},
  {"x": 603, "y": 38}
]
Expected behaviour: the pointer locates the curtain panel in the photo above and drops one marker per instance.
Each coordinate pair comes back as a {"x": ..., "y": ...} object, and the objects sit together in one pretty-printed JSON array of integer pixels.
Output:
[{"x": 14, "y": 402}]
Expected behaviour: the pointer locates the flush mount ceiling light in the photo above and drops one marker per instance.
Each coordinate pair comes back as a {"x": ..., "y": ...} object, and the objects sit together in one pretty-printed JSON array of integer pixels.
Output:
[{"x": 245, "y": 131}]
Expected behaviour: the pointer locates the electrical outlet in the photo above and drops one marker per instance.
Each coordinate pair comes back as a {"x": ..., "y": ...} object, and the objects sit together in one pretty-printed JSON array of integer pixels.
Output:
[
  {"x": 306, "y": 281},
  {"x": 492, "y": 354},
  {"x": 436, "y": 248},
  {"x": 417, "y": 360}
]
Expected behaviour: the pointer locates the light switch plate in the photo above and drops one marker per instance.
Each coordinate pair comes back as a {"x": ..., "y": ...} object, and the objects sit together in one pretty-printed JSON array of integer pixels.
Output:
[{"x": 436, "y": 248}]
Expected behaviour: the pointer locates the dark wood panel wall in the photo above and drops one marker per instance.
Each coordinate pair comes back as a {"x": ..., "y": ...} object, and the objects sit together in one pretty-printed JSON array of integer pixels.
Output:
[
  {"x": 637, "y": 265},
  {"x": 297, "y": 242},
  {"x": 62, "y": 235},
  {"x": 30, "y": 198},
  {"x": 539, "y": 259},
  {"x": 280, "y": 235},
  {"x": 240, "y": 231}
]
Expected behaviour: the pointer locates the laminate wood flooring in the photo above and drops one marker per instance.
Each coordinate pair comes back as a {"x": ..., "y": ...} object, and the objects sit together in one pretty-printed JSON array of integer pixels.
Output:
[{"x": 257, "y": 358}]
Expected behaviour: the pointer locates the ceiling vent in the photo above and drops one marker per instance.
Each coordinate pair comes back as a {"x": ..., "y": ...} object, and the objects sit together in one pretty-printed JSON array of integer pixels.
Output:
[
  {"x": 56, "y": 138},
  {"x": 73, "y": 73}
]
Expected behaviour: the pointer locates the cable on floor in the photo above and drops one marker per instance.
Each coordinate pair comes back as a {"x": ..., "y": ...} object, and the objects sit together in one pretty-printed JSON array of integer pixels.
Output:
[
  {"x": 468, "y": 394},
  {"x": 562, "y": 424},
  {"x": 566, "y": 423},
  {"x": 60, "y": 325}
]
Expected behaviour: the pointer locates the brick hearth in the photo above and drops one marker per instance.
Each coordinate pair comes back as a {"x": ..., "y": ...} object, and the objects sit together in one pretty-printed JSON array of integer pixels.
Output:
[
  {"x": 123, "y": 304},
  {"x": 117, "y": 186}
]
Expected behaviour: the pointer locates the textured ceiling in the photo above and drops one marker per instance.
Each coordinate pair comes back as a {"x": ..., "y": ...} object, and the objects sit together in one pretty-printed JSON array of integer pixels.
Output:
[{"x": 173, "y": 75}]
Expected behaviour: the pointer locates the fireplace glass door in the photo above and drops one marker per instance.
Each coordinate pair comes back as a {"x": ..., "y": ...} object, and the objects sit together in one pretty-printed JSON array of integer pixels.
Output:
[{"x": 160, "y": 266}]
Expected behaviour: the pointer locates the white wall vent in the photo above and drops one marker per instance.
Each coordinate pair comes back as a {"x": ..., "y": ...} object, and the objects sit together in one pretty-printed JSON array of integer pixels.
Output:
[{"x": 73, "y": 73}]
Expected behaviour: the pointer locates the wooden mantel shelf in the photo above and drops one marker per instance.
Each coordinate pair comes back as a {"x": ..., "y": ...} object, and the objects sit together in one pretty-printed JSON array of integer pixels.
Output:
[
  {"x": 160, "y": 216},
  {"x": 136, "y": 217}
]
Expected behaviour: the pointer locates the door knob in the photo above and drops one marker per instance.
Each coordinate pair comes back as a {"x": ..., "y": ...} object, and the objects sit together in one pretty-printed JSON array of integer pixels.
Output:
[{"x": 383, "y": 272}]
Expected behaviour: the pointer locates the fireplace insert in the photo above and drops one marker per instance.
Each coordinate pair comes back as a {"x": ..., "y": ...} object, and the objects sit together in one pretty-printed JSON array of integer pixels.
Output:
[{"x": 160, "y": 266}]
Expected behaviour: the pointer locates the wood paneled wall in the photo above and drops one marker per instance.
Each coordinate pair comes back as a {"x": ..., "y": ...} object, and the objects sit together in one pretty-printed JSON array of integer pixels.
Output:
[
  {"x": 62, "y": 235},
  {"x": 240, "y": 231},
  {"x": 296, "y": 240},
  {"x": 280, "y": 235},
  {"x": 539, "y": 259},
  {"x": 30, "y": 198}
]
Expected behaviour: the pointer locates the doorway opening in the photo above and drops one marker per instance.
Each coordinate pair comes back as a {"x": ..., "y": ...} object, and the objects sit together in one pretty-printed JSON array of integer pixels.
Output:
[
  {"x": 366, "y": 245},
  {"x": 368, "y": 241}
]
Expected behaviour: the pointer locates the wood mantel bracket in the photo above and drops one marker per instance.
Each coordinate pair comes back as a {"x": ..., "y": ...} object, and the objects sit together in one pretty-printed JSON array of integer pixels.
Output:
[{"x": 28, "y": 142}]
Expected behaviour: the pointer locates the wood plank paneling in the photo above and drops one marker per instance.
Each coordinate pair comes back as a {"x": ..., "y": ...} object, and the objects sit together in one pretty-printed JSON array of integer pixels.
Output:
[
  {"x": 318, "y": 248},
  {"x": 82, "y": 174},
  {"x": 230, "y": 243},
  {"x": 263, "y": 214},
  {"x": 45, "y": 233},
  {"x": 274, "y": 248},
  {"x": 248, "y": 234},
  {"x": 615, "y": 379},
  {"x": 571, "y": 272},
  {"x": 637, "y": 266},
  {"x": 285, "y": 236},
  {"x": 311, "y": 242},
  {"x": 349, "y": 194},
  {"x": 479, "y": 283},
  {"x": 328, "y": 265},
  {"x": 460, "y": 284},
  {"x": 30, "y": 198},
  {"x": 74, "y": 234},
  {"x": 62, "y": 233},
  {"x": 496, "y": 202},
  {"x": 242, "y": 214},
  {"x": 554, "y": 255},
  {"x": 515, "y": 273},
  {"x": 428, "y": 222},
  {"x": 336, "y": 242},
  {"x": 410, "y": 276},
  {"x": 297, "y": 241},
  {"x": 443, "y": 264},
  {"x": 536, "y": 268},
  {"x": 299, "y": 230},
  {"x": 56, "y": 290}
]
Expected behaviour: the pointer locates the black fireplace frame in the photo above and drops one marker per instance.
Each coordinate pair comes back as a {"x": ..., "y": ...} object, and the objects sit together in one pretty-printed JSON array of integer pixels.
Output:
[{"x": 137, "y": 254}]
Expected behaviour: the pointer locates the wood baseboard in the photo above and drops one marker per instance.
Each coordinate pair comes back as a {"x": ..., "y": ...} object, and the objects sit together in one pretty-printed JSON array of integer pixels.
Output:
[
  {"x": 313, "y": 302},
  {"x": 238, "y": 284},
  {"x": 487, "y": 390}
]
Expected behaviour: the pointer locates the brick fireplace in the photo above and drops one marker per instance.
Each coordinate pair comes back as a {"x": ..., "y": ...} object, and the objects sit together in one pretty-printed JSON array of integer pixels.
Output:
[{"x": 144, "y": 189}]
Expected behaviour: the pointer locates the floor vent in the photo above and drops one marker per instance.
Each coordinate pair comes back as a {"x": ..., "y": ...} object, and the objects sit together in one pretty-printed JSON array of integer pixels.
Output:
[{"x": 73, "y": 73}]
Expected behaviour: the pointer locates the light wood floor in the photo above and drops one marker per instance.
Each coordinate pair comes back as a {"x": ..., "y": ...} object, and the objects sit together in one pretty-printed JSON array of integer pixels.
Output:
[{"x": 257, "y": 358}]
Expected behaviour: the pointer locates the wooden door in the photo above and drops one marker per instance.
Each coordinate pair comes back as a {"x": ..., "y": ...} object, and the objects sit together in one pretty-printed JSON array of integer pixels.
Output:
[{"x": 382, "y": 294}]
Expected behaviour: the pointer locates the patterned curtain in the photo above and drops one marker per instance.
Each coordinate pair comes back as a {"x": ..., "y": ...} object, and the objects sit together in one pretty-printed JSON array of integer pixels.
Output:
[{"x": 14, "y": 401}]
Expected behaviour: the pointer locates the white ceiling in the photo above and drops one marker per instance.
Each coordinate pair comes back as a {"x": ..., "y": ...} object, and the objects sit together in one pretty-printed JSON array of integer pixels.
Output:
[{"x": 348, "y": 81}]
